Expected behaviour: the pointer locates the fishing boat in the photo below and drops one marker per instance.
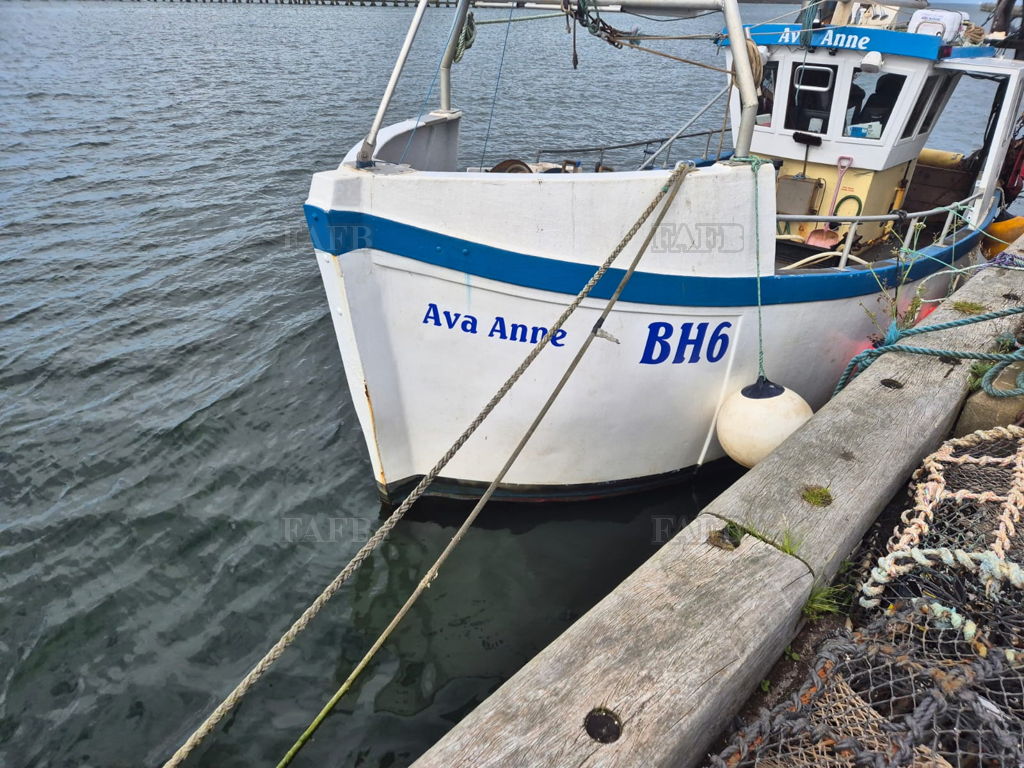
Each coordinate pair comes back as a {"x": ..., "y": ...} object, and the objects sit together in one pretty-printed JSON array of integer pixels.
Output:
[{"x": 831, "y": 217}]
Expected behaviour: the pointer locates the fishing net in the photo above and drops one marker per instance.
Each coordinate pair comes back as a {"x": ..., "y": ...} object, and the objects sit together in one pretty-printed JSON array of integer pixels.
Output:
[
  {"x": 960, "y": 546},
  {"x": 904, "y": 691},
  {"x": 968, "y": 496},
  {"x": 934, "y": 677},
  {"x": 974, "y": 592}
]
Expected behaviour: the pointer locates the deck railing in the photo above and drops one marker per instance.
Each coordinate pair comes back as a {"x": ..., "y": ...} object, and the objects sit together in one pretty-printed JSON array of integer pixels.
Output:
[
  {"x": 651, "y": 146},
  {"x": 845, "y": 256}
]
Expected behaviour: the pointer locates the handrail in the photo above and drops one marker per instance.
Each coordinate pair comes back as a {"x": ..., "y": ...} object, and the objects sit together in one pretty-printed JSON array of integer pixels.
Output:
[
  {"x": 742, "y": 72},
  {"x": 902, "y": 216},
  {"x": 606, "y": 147},
  {"x": 845, "y": 254},
  {"x": 678, "y": 134}
]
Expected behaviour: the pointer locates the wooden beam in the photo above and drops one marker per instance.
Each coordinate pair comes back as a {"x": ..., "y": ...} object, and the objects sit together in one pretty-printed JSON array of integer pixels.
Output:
[{"x": 673, "y": 652}]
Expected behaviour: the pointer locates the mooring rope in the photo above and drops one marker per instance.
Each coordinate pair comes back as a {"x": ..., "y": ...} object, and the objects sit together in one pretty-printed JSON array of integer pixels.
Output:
[
  {"x": 861, "y": 361},
  {"x": 668, "y": 192},
  {"x": 250, "y": 679}
]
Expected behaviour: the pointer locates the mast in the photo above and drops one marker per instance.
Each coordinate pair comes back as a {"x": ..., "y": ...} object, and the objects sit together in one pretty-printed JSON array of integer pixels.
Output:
[
  {"x": 742, "y": 72},
  {"x": 364, "y": 158}
]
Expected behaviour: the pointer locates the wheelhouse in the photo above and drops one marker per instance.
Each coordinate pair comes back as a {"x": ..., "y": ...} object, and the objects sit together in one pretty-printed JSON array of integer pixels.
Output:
[{"x": 846, "y": 114}]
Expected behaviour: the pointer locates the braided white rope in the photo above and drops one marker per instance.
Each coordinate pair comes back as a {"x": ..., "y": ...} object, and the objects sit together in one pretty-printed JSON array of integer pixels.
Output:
[
  {"x": 932, "y": 489},
  {"x": 990, "y": 567}
]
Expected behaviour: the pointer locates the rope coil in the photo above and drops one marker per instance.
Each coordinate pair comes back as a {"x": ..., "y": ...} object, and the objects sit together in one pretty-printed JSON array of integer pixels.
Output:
[{"x": 466, "y": 38}]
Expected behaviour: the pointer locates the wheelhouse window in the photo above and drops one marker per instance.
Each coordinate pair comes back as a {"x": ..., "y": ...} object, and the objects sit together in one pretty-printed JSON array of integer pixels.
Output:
[
  {"x": 810, "y": 97},
  {"x": 919, "y": 105},
  {"x": 940, "y": 97},
  {"x": 766, "y": 93},
  {"x": 873, "y": 97}
]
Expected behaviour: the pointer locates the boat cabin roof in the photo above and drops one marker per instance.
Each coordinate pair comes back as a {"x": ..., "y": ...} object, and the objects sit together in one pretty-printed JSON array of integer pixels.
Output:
[{"x": 864, "y": 39}]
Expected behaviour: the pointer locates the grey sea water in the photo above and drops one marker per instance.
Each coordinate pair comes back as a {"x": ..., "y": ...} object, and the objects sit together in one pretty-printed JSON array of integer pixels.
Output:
[{"x": 181, "y": 471}]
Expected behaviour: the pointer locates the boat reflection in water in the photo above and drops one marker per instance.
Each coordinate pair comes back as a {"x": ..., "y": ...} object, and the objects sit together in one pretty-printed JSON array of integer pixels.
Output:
[{"x": 516, "y": 581}]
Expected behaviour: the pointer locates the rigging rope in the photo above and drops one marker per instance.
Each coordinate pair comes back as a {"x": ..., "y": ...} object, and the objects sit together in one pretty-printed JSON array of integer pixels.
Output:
[
  {"x": 497, "y": 81},
  {"x": 243, "y": 687},
  {"x": 558, "y": 15},
  {"x": 619, "y": 42},
  {"x": 668, "y": 193},
  {"x": 755, "y": 165}
]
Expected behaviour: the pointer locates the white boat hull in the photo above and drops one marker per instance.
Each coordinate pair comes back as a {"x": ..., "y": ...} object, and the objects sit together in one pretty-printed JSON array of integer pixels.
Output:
[{"x": 426, "y": 345}]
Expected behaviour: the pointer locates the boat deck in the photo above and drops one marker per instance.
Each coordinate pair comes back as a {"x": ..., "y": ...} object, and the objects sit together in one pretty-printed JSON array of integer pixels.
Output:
[{"x": 789, "y": 252}]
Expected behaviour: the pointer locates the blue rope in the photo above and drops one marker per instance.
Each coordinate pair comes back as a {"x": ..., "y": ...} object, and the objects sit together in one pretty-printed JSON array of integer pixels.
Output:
[
  {"x": 497, "y": 80},
  {"x": 1002, "y": 359},
  {"x": 988, "y": 381}
]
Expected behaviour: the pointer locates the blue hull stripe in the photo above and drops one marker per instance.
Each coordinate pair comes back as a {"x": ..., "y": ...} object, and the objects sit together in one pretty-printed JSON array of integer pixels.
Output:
[{"x": 338, "y": 232}]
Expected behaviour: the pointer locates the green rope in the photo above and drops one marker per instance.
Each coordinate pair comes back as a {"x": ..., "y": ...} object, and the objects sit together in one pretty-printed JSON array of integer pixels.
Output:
[
  {"x": 1002, "y": 359},
  {"x": 466, "y": 38},
  {"x": 755, "y": 165}
]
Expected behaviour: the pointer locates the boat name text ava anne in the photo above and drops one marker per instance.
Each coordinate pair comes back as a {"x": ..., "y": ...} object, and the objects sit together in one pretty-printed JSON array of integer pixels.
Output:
[{"x": 692, "y": 341}]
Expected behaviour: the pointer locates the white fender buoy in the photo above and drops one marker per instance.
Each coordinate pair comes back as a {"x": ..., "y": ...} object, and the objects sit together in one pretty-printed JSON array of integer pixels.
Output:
[{"x": 754, "y": 421}]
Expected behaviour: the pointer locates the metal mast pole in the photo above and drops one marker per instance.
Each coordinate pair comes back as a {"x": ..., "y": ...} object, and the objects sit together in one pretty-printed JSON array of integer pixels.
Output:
[{"x": 364, "y": 158}]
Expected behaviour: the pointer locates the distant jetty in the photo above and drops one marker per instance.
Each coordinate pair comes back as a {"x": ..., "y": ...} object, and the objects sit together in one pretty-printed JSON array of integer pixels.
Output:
[
  {"x": 392, "y": 3},
  {"x": 372, "y": 3}
]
